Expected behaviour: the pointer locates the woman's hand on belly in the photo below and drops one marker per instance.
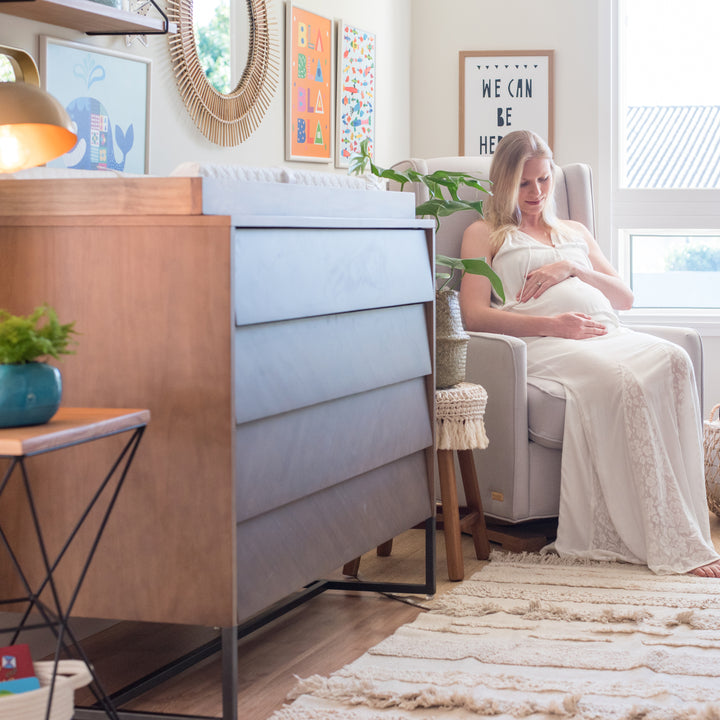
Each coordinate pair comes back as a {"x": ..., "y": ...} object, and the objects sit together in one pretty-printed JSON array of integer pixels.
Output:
[
  {"x": 576, "y": 326},
  {"x": 543, "y": 278}
]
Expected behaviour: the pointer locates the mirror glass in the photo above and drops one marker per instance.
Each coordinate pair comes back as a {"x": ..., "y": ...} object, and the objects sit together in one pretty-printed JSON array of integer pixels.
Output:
[
  {"x": 7, "y": 72},
  {"x": 222, "y": 37},
  {"x": 242, "y": 62}
]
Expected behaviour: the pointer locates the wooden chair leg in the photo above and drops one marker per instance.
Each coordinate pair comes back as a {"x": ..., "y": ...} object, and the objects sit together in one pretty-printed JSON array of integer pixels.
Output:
[
  {"x": 385, "y": 549},
  {"x": 474, "y": 503},
  {"x": 451, "y": 514},
  {"x": 352, "y": 568}
]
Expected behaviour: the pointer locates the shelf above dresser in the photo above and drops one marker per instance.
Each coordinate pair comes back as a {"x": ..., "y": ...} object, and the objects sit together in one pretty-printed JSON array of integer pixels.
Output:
[{"x": 87, "y": 16}]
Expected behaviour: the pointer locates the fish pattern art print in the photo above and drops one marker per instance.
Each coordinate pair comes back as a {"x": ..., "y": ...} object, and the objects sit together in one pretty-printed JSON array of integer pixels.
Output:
[{"x": 356, "y": 91}]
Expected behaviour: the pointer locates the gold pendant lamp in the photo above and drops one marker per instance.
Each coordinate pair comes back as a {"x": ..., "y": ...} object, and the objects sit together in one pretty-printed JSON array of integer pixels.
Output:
[{"x": 34, "y": 126}]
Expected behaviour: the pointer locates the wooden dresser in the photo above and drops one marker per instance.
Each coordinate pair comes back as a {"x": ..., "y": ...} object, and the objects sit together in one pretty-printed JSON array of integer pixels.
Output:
[{"x": 281, "y": 337}]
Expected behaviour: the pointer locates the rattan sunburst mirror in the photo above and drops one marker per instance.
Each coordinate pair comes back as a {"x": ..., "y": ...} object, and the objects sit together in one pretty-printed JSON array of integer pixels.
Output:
[{"x": 225, "y": 118}]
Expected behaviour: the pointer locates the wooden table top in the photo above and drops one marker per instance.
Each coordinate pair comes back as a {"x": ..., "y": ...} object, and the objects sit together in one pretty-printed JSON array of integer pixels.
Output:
[{"x": 69, "y": 426}]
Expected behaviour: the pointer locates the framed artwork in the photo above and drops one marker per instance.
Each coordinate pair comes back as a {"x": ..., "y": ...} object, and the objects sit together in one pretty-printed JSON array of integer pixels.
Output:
[
  {"x": 107, "y": 95},
  {"x": 501, "y": 92},
  {"x": 356, "y": 73},
  {"x": 308, "y": 73}
]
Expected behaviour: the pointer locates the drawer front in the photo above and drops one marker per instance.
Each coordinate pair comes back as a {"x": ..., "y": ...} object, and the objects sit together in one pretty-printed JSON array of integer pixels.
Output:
[
  {"x": 284, "y": 366},
  {"x": 283, "y": 458},
  {"x": 282, "y": 273},
  {"x": 279, "y": 551}
]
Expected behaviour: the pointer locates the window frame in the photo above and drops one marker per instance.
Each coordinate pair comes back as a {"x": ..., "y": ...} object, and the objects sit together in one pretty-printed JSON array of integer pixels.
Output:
[{"x": 642, "y": 209}]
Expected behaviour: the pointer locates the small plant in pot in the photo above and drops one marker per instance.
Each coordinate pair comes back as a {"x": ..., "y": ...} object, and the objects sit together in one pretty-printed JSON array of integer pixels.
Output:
[
  {"x": 30, "y": 389},
  {"x": 443, "y": 186}
]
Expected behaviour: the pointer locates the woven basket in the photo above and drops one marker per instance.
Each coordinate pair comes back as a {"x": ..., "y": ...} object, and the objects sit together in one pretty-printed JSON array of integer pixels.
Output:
[
  {"x": 711, "y": 443},
  {"x": 32, "y": 705},
  {"x": 451, "y": 340}
]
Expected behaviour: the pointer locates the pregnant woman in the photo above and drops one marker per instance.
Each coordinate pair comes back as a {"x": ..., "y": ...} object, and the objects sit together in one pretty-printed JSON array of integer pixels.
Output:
[{"x": 632, "y": 481}]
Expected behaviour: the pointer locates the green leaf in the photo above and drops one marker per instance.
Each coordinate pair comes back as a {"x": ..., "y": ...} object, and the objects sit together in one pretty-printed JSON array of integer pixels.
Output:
[
  {"x": 475, "y": 266},
  {"x": 391, "y": 174},
  {"x": 444, "y": 260},
  {"x": 478, "y": 266},
  {"x": 357, "y": 165}
]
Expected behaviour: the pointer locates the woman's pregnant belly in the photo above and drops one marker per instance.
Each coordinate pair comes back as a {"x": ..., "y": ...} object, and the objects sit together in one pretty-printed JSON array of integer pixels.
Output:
[{"x": 570, "y": 295}]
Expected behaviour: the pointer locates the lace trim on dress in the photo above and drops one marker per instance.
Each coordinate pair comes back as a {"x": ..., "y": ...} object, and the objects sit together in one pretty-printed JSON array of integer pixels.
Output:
[{"x": 668, "y": 542}]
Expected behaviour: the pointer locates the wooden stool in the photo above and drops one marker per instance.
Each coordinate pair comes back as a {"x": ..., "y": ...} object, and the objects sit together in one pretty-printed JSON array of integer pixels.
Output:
[
  {"x": 459, "y": 413},
  {"x": 459, "y": 427}
]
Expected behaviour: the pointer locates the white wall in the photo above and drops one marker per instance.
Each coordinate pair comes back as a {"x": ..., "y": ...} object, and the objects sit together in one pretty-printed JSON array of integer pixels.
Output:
[
  {"x": 440, "y": 31},
  {"x": 173, "y": 135},
  {"x": 417, "y": 90}
]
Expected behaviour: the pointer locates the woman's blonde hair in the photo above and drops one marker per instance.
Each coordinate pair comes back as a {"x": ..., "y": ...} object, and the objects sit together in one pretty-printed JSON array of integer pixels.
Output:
[{"x": 501, "y": 210}]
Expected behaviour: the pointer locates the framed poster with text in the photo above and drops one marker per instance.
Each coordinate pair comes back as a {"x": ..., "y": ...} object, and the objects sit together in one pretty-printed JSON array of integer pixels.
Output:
[
  {"x": 502, "y": 91},
  {"x": 308, "y": 79}
]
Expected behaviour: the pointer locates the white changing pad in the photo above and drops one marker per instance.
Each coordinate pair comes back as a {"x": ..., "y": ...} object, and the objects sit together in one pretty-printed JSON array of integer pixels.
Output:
[{"x": 286, "y": 175}]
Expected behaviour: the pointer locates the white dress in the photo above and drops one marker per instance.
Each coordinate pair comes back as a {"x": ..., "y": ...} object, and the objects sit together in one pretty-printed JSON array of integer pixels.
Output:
[{"x": 632, "y": 486}]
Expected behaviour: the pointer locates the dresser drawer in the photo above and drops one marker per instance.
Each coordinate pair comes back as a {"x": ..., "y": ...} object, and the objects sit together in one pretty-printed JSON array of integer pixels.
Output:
[
  {"x": 279, "y": 550},
  {"x": 282, "y": 273},
  {"x": 283, "y": 366},
  {"x": 304, "y": 451}
]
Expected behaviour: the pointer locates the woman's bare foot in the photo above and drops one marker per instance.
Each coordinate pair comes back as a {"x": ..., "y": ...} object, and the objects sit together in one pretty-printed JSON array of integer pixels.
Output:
[{"x": 710, "y": 570}]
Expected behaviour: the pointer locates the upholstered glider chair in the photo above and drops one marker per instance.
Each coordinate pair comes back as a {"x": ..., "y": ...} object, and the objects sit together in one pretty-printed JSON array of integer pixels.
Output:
[{"x": 519, "y": 473}]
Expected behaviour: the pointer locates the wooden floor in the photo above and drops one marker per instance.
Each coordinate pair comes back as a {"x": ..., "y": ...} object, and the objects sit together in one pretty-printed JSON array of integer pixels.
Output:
[{"x": 320, "y": 637}]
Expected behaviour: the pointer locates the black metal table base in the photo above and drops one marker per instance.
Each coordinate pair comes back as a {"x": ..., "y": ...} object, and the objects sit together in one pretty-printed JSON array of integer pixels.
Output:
[
  {"x": 54, "y": 615},
  {"x": 229, "y": 637}
]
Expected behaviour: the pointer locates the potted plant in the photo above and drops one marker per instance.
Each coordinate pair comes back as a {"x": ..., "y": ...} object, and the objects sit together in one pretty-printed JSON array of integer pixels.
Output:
[
  {"x": 30, "y": 390},
  {"x": 444, "y": 187}
]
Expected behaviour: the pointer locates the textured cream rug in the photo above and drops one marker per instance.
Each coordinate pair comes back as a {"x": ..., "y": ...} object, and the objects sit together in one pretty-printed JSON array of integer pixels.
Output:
[{"x": 533, "y": 637}]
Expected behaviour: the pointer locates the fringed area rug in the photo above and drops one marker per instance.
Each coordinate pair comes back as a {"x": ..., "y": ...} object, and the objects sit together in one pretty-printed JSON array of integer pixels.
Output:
[{"x": 530, "y": 636}]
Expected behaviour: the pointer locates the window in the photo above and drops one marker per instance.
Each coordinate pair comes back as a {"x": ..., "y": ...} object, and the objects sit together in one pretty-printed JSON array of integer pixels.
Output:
[
  {"x": 666, "y": 181},
  {"x": 670, "y": 99},
  {"x": 674, "y": 270}
]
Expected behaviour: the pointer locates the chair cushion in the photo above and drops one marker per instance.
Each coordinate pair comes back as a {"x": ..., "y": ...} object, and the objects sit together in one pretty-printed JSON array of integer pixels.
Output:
[{"x": 546, "y": 412}]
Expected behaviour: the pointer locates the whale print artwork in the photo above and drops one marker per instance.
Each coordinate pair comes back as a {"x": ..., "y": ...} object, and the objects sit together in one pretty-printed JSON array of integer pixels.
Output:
[{"x": 106, "y": 97}]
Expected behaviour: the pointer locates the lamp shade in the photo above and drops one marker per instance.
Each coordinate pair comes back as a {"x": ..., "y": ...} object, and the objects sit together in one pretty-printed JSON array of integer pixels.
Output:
[{"x": 34, "y": 126}]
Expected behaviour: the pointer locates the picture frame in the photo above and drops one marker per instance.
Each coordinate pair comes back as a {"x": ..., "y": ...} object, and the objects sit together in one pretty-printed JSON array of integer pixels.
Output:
[
  {"x": 502, "y": 91},
  {"x": 308, "y": 83},
  {"x": 107, "y": 95},
  {"x": 356, "y": 91}
]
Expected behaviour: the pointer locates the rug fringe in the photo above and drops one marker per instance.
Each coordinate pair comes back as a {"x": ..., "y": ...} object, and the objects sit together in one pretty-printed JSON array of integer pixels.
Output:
[{"x": 550, "y": 558}]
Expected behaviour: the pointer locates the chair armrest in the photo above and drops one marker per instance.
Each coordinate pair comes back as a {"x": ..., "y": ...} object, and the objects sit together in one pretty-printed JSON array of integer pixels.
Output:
[
  {"x": 499, "y": 364},
  {"x": 688, "y": 339}
]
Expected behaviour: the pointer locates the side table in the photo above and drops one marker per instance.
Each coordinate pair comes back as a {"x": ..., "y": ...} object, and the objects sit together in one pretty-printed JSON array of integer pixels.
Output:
[
  {"x": 460, "y": 427},
  {"x": 69, "y": 427}
]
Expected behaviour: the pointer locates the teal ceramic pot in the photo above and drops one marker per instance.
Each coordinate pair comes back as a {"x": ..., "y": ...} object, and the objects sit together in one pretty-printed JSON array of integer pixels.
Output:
[{"x": 29, "y": 394}]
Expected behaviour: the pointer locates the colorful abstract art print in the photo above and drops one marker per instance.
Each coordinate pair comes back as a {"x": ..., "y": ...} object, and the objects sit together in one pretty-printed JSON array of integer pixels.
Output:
[
  {"x": 107, "y": 96},
  {"x": 356, "y": 74},
  {"x": 308, "y": 81}
]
